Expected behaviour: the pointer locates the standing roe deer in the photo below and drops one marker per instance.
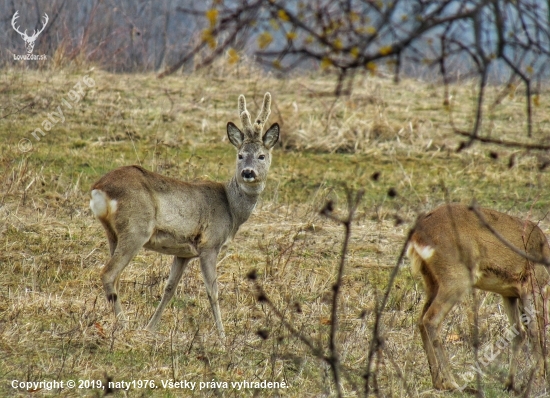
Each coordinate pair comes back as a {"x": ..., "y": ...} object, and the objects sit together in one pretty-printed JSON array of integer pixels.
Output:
[
  {"x": 139, "y": 208},
  {"x": 454, "y": 250}
]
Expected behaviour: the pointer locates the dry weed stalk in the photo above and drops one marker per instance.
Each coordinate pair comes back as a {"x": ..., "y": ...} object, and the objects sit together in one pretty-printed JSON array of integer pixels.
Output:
[
  {"x": 377, "y": 343},
  {"x": 333, "y": 357},
  {"x": 327, "y": 211}
]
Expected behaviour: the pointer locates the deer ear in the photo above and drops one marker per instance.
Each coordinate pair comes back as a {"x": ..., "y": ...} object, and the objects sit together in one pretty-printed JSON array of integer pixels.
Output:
[
  {"x": 235, "y": 135},
  {"x": 271, "y": 136}
]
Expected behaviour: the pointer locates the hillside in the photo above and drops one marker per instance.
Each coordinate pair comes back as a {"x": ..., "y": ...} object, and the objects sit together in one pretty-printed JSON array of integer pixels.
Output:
[{"x": 393, "y": 141}]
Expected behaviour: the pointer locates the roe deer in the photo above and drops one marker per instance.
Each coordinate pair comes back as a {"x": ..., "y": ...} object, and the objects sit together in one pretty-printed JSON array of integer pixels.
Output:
[
  {"x": 139, "y": 208},
  {"x": 455, "y": 250}
]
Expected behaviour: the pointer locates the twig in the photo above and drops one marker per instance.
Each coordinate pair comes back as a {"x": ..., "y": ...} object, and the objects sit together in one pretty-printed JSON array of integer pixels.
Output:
[
  {"x": 503, "y": 143},
  {"x": 353, "y": 202},
  {"x": 333, "y": 359},
  {"x": 18, "y": 110},
  {"x": 376, "y": 341},
  {"x": 475, "y": 208}
]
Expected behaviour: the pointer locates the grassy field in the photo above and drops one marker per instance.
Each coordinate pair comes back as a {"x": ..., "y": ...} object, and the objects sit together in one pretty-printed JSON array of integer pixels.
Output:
[{"x": 55, "y": 323}]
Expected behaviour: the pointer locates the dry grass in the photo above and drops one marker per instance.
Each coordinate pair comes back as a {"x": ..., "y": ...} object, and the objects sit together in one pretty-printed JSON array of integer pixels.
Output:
[{"x": 55, "y": 322}]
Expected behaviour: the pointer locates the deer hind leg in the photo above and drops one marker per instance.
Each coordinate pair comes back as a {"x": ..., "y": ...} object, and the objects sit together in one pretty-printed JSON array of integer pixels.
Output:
[
  {"x": 511, "y": 307},
  {"x": 176, "y": 272},
  {"x": 112, "y": 239},
  {"x": 111, "y": 236},
  {"x": 125, "y": 251},
  {"x": 208, "y": 269},
  {"x": 113, "y": 242},
  {"x": 441, "y": 299},
  {"x": 430, "y": 289}
]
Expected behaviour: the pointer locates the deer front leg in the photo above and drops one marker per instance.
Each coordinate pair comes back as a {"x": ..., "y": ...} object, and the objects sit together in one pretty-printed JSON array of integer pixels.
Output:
[
  {"x": 176, "y": 272},
  {"x": 534, "y": 318},
  {"x": 208, "y": 269},
  {"x": 530, "y": 319}
]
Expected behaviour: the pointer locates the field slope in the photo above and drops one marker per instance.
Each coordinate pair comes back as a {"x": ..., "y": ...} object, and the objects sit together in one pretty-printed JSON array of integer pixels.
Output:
[{"x": 393, "y": 141}]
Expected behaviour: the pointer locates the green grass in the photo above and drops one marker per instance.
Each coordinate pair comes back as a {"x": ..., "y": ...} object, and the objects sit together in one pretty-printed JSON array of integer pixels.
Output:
[{"x": 54, "y": 319}]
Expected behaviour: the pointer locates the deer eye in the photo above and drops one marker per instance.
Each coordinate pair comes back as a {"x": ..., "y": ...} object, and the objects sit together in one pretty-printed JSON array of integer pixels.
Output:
[
  {"x": 240, "y": 157},
  {"x": 261, "y": 157}
]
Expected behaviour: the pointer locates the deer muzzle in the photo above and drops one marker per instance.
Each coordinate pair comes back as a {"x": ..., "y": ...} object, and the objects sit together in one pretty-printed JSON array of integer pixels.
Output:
[{"x": 248, "y": 175}]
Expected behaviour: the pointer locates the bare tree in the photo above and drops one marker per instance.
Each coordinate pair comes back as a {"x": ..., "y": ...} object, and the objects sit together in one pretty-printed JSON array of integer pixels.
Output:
[
  {"x": 491, "y": 40},
  {"x": 119, "y": 35}
]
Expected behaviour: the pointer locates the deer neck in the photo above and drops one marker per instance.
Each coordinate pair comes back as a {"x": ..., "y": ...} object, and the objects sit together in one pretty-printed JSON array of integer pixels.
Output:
[{"x": 242, "y": 200}]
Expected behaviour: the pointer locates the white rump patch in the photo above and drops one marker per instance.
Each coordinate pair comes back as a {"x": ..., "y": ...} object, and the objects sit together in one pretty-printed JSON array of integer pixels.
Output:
[
  {"x": 101, "y": 205},
  {"x": 426, "y": 252},
  {"x": 416, "y": 254}
]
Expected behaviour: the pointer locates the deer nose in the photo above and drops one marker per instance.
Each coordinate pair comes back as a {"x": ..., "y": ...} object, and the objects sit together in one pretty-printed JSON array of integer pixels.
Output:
[{"x": 248, "y": 174}]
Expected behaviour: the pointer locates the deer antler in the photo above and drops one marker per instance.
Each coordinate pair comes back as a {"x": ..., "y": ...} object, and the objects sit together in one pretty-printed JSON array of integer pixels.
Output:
[
  {"x": 24, "y": 34},
  {"x": 46, "y": 19},
  {"x": 243, "y": 113},
  {"x": 264, "y": 113},
  {"x": 16, "y": 28}
]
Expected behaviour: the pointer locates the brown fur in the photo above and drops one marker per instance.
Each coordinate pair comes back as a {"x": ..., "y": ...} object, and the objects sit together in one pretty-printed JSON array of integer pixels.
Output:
[{"x": 454, "y": 253}]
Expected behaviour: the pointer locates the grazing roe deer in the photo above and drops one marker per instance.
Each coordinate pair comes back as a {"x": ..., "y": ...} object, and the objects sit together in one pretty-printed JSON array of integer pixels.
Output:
[
  {"x": 455, "y": 251},
  {"x": 139, "y": 208}
]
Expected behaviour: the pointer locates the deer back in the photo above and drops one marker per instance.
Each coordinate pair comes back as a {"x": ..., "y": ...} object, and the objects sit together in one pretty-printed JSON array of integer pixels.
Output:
[{"x": 453, "y": 236}]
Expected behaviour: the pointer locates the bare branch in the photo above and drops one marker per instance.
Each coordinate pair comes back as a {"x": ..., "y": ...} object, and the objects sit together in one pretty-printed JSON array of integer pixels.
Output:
[
  {"x": 480, "y": 37},
  {"x": 376, "y": 341},
  {"x": 353, "y": 202}
]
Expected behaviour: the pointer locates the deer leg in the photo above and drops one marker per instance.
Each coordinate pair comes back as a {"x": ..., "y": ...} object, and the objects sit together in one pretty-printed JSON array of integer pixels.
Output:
[
  {"x": 544, "y": 324},
  {"x": 111, "y": 236},
  {"x": 534, "y": 317},
  {"x": 430, "y": 289},
  {"x": 511, "y": 307},
  {"x": 176, "y": 272},
  {"x": 110, "y": 273},
  {"x": 208, "y": 269},
  {"x": 445, "y": 299},
  {"x": 113, "y": 241},
  {"x": 530, "y": 318}
]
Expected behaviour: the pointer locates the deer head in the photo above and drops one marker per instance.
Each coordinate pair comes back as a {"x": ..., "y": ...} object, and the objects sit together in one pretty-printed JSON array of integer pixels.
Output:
[
  {"x": 29, "y": 40},
  {"x": 253, "y": 148}
]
